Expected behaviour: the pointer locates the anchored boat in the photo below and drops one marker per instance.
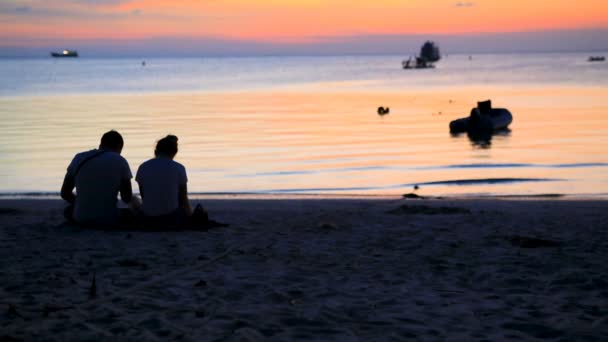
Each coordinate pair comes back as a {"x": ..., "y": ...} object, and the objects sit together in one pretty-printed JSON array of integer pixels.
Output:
[
  {"x": 429, "y": 54},
  {"x": 483, "y": 118},
  {"x": 65, "y": 53}
]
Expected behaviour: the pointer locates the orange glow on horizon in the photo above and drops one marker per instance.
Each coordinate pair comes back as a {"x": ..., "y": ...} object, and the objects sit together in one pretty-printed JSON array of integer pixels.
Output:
[{"x": 288, "y": 21}]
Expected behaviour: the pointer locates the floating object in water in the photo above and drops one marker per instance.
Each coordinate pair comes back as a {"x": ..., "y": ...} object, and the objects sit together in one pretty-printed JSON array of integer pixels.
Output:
[
  {"x": 383, "y": 111},
  {"x": 596, "y": 59},
  {"x": 484, "y": 118},
  {"x": 143, "y": 63},
  {"x": 65, "y": 53}
]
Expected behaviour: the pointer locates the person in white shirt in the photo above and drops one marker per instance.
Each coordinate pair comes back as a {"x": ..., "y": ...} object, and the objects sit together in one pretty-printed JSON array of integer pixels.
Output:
[
  {"x": 163, "y": 185},
  {"x": 98, "y": 176}
]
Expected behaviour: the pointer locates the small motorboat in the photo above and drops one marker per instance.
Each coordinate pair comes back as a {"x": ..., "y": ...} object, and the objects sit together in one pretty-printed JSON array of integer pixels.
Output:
[
  {"x": 483, "y": 118},
  {"x": 65, "y": 53},
  {"x": 596, "y": 59}
]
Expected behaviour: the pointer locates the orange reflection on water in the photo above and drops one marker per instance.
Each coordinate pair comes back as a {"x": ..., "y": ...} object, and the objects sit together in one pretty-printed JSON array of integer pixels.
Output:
[{"x": 318, "y": 140}]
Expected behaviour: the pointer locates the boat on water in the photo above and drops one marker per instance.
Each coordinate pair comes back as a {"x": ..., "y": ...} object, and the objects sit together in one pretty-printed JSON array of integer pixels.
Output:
[
  {"x": 65, "y": 53},
  {"x": 596, "y": 59},
  {"x": 429, "y": 54},
  {"x": 483, "y": 118}
]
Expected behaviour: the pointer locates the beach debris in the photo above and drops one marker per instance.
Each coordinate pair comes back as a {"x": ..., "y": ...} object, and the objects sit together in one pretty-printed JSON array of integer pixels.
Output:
[
  {"x": 93, "y": 288},
  {"x": 531, "y": 242},
  {"x": 328, "y": 226},
  {"x": 412, "y": 196},
  {"x": 540, "y": 331},
  {"x": 47, "y": 310},
  {"x": 131, "y": 263},
  {"x": 12, "y": 311},
  {"x": 9, "y": 211},
  {"x": 200, "y": 283},
  {"x": 428, "y": 210},
  {"x": 383, "y": 111}
]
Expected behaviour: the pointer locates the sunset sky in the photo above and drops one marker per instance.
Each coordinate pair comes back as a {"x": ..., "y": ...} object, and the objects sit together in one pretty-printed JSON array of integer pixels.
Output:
[{"x": 31, "y": 24}]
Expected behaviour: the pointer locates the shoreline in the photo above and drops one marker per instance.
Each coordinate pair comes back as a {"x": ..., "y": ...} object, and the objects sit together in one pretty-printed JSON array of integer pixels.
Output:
[
  {"x": 202, "y": 196},
  {"x": 310, "y": 269}
]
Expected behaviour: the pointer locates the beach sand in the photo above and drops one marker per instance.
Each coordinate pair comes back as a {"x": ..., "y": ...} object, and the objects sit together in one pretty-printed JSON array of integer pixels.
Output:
[{"x": 313, "y": 269}]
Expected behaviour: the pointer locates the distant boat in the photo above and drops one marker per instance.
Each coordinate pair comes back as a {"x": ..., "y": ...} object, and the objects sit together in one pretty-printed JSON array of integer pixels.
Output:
[
  {"x": 429, "y": 54},
  {"x": 65, "y": 53},
  {"x": 596, "y": 59}
]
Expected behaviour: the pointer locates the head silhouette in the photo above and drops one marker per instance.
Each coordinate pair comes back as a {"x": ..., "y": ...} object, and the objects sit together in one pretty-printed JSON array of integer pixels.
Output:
[
  {"x": 112, "y": 141},
  {"x": 166, "y": 147}
]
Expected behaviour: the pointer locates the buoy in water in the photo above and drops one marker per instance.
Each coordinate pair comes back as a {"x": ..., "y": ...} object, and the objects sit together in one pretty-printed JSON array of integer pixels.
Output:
[{"x": 383, "y": 111}]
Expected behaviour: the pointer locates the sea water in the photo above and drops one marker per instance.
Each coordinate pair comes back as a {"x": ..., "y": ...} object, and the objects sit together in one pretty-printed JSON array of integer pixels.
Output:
[{"x": 292, "y": 125}]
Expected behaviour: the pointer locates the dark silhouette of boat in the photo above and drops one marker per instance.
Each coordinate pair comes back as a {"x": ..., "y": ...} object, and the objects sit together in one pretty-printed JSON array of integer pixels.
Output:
[
  {"x": 483, "y": 118},
  {"x": 65, "y": 53},
  {"x": 429, "y": 54},
  {"x": 596, "y": 59}
]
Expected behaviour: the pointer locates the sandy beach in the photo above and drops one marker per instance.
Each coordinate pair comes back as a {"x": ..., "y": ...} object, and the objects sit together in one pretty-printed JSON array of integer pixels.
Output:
[{"x": 313, "y": 269}]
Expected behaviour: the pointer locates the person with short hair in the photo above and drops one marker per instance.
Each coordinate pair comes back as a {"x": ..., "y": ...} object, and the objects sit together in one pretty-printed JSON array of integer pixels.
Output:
[
  {"x": 163, "y": 185},
  {"x": 98, "y": 176}
]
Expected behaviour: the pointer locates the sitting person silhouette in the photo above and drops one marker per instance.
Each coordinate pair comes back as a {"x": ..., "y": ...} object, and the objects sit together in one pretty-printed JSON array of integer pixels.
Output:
[
  {"x": 98, "y": 175},
  {"x": 164, "y": 191}
]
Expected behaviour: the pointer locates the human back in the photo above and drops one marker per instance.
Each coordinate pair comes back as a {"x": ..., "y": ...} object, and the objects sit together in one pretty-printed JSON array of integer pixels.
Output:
[
  {"x": 163, "y": 182},
  {"x": 97, "y": 184},
  {"x": 161, "y": 177},
  {"x": 98, "y": 176}
]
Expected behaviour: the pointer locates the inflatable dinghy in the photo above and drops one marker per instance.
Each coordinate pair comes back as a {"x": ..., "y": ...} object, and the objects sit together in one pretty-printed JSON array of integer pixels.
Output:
[{"x": 483, "y": 118}]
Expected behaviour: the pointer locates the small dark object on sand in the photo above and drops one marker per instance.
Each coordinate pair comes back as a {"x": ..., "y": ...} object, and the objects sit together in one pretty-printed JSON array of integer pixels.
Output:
[
  {"x": 530, "y": 242},
  {"x": 328, "y": 226},
  {"x": 416, "y": 187},
  {"x": 93, "y": 288},
  {"x": 9, "y": 211},
  {"x": 215, "y": 224},
  {"x": 427, "y": 210},
  {"x": 412, "y": 195},
  {"x": 47, "y": 310},
  {"x": 12, "y": 311},
  {"x": 131, "y": 263},
  {"x": 383, "y": 111}
]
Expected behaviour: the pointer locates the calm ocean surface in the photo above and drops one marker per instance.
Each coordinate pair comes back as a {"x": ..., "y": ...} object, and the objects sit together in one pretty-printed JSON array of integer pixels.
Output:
[{"x": 290, "y": 125}]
